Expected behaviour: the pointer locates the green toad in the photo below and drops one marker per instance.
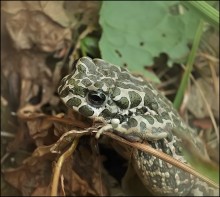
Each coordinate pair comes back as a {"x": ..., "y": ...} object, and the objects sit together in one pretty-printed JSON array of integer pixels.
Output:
[{"x": 135, "y": 110}]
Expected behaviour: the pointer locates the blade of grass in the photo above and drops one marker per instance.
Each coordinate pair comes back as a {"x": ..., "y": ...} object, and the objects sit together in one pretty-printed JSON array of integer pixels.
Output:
[
  {"x": 206, "y": 11},
  {"x": 189, "y": 66}
]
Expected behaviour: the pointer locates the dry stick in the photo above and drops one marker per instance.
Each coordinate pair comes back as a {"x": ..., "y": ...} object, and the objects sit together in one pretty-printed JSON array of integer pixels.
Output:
[
  {"x": 59, "y": 164},
  {"x": 162, "y": 156},
  {"x": 139, "y": 146},
  {"x": 215, "y": 78}
]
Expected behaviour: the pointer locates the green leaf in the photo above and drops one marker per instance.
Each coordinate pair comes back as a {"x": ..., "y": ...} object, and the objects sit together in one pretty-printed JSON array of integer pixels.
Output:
[
  {"x": 136, "y": 32},
  {"x": 89, "y": 45}
]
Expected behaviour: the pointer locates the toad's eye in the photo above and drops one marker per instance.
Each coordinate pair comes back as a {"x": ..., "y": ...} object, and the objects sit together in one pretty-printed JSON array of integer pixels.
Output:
[{"x": 96, "y": 98}]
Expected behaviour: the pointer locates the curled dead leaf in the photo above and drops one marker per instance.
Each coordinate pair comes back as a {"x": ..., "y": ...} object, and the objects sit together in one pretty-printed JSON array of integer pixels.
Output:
[
  {"x": 196, "y": 105},
  {"x": 33, "y": 28}
]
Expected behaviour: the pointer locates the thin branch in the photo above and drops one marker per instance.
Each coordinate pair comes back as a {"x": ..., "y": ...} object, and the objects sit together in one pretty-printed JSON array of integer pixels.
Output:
[
  {"x": 59, "y": 164},
  {"x": 162, "y": 156}
]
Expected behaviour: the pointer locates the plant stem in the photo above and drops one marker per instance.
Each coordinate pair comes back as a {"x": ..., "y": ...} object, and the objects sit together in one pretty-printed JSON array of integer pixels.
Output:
[
  {"x": 205, "y": 10},
  {"x": 189, "y": 66}
]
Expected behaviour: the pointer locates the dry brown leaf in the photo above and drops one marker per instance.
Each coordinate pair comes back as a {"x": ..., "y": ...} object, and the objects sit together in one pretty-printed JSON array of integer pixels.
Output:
[
  {"x": 74, "y": 183},
  {"x": 88, "y": 166},
  {"x": 30, "y": 29},
  {"x": 42, "y": 23},
  {"x": 204, "y": 123},
  {"x": 13, "y": 7},
  {"x": 36, "y": 79},
  {"x": 54, "y": 9},
  {"x": 21, "y": 139},
  {"x": 36, "y": 29},
  {"x": 27, "y": 178},
  {"x": 39, "y": 130},
  {"x": 196, "y": 105},
  {"x": 34, "y": 76},
  {"x": 41, "y": 191},
  {"x": 76, "y": 11}
]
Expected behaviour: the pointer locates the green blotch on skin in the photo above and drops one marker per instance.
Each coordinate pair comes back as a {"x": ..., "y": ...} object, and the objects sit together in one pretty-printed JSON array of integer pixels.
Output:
[
  {"x": 80, "y": 75},
  {"x": 114, "y": 69},
  {"x": 134, "y": 87},
  {"x": 89, "y": 64},
  {"x": 165, "y": 103},
  {"x": 81, "y": 68},
  {"x": 124, "y": 76},
  {"x": 86, "y": 111},
  {"x": 143, "y": 126},
  {"x": 123, "y": 103},
  {"x": 71, "y": 82},
  {"x": 122, "y": 85},
  {"x": 86, "y": 82},
  {"x": 154, "y": 106},
  {"x": 116, "y": 92},
  {"x": 64, "y": 92},
  {"x": 158, "y": 118},
  {"x": 135, "y": 99},
  {"x": 149, "y": 119},
  {"x": 78, "y": 90},
  {"x": 104, "y": 72},
  {"x": 66, "y": 78},
  {"x": 63, "y": 82},
  {"x": 98, "y": 84},
  {"x": 147, "y": 100},
  {"x": 165, "y": 116},
  {"x": 106, "y": 114},
  {"x": 108, "y": 81},
  {"x": 149, "y": 97},
  {"x": 94, "y": 77},
  {"x": 132, "y": 122},
  {"x": 176, "y": 121},
  {"x": 73, "y": 102}
]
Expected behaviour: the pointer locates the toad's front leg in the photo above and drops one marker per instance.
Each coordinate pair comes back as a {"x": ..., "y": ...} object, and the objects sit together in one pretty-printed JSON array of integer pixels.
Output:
[{"x": 139, "y": 128}]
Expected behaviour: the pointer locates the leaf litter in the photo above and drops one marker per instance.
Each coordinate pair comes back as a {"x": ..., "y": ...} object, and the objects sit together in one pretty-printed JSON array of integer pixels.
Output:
[{"x": 36, "y": 34}]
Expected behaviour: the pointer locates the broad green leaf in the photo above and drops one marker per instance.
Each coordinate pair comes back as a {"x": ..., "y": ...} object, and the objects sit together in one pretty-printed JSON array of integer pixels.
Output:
[{"x": 134, "y": 32}]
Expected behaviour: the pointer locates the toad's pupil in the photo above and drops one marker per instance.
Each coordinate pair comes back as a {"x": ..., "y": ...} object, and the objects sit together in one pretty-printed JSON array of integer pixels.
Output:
[{"x": 96, "y": 98}]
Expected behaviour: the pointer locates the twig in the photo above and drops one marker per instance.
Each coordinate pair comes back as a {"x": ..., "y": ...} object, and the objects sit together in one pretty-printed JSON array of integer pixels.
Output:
[
  {"x": 162, "y": 156},
  {"x": 59, "y": 164}
]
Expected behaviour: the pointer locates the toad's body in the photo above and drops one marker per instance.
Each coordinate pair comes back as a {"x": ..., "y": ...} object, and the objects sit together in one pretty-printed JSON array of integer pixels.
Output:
[{"x": 134, "y": 109}]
